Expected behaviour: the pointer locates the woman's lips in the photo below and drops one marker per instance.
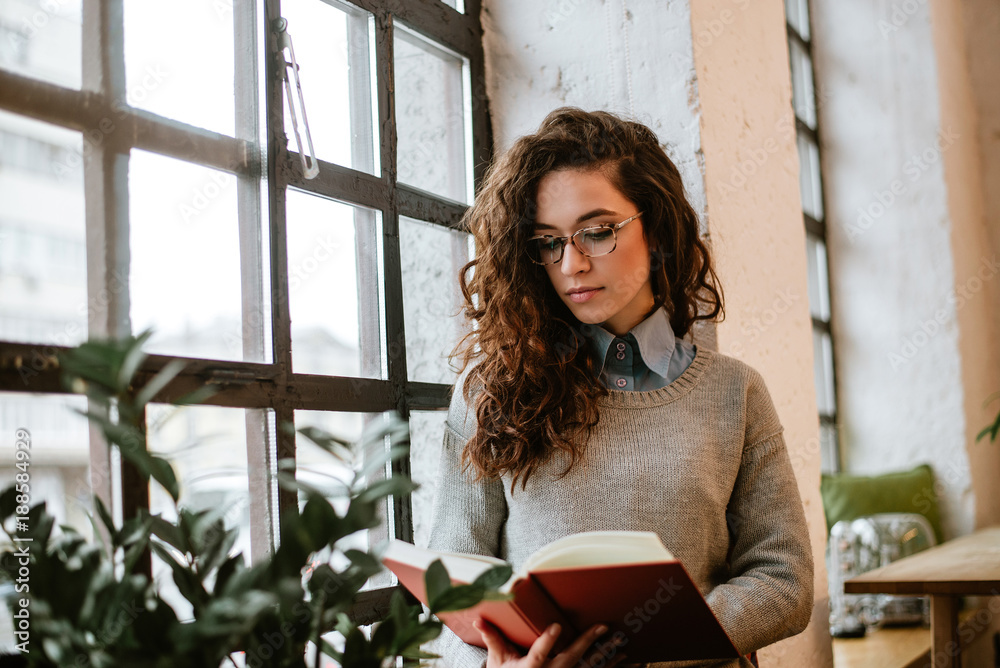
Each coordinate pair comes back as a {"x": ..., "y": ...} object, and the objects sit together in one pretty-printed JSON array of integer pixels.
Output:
[{"x": 586, "y": 295}]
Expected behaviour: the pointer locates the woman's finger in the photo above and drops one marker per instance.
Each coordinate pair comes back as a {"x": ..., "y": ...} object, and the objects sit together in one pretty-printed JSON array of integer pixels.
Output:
[
  {"x": 576, "y": 651},
  {"x": 538, "y": 654},
  {"x": 497, "y": 644}
]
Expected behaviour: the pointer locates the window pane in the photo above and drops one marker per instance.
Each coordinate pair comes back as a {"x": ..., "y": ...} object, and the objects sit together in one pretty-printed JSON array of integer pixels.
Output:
[
  {"x": 809, "y": 179},
  {"x": 43, "y": 265},
  {"x": 431, "y": 256},
  {"x": 332, "y": 48},
  {"x": 797, "y": 13},
  {"x": 458, "y": 5},
  {"x": 179, "y": 60},
  {"x": 324, "y": 471},
  {"x": 334, "y": 285},
  {"x": 426, "y": 436},
  {"x": 207, "y": 446},
  {"x": 819, "y": 289},
  {"x": 803, "y": 96},
  {"x": 823, "y": 369},
  {"x": 184, "y": 271},
  {"x": 42, "y": 40},
  {"x": 829, "y": 448},
  {"x": 57, "y": 454},
  {"x": 431, "y": 117}
]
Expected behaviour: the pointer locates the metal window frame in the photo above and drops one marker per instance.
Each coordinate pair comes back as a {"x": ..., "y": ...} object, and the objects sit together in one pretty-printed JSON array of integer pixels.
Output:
[
  {"x": 816, "y": 227},
  {"x": 258, "y": 159}
]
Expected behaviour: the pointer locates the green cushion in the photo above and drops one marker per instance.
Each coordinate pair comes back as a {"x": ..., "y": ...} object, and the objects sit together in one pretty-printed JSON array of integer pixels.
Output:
[{"x": 847, "y": 497}]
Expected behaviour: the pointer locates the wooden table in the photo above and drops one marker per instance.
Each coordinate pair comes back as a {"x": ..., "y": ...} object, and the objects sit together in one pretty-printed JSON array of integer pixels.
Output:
[{"x": 966, "y": 566}]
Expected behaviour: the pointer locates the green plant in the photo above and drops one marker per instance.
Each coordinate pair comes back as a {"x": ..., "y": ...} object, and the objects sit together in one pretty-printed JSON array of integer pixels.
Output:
[
  {"x": 994, "y": 429},
  {"x": 91, "y": 604}
]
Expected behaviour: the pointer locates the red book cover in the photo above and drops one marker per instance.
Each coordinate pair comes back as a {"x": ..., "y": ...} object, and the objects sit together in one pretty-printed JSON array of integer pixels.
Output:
[
  {"x": 522, "y": 620},
  {"x": 656, "y": 606},
  {"x": 651, "y": 604}
]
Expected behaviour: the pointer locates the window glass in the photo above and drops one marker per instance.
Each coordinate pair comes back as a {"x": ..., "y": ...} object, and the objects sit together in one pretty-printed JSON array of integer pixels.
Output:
[
  {"x": 803, "y": 95},
  {"x": 184, "y": 269},
  {"x": 797, "y": 13},
  {"x": 828, "y": 447},
  {"x": 42, "y": 40},
  {"x": 58, "y": 453},
  {"x": 207, "y": 447},
  {"x": 426, "y": 437},
  {"x": 333, "y": 50},
  {"x": 334, "y": 287},
  {"x": 432, "y": 256},
  {"x": 43, "y": 263},
  {"x": 324, "y": 471},
  {"x": 823, "y": 368},
  {"x": 809, "y": 179},
  {"x": 819, "y": 289},
  {"x": 179, "y": 61},
  {"x": 431, "y": 117}
]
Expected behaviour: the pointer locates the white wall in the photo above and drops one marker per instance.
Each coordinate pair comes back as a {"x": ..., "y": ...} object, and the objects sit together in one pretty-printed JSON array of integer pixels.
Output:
[{"x": 908, "y": 287}]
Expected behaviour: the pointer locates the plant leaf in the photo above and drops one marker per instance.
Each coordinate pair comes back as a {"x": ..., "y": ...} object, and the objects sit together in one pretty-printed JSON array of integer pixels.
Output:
[
  {"x": 159, "y": 381},
  {"x": 436, "y": 580},
  {"x": 494, "y": 578},
  {"x": 457, "y": 598}
]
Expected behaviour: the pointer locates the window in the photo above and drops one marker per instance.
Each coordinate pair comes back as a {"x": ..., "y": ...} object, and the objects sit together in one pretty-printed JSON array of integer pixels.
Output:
[
  {"x": 806, "y": 102},
  {"x": 157, "y": 182}
]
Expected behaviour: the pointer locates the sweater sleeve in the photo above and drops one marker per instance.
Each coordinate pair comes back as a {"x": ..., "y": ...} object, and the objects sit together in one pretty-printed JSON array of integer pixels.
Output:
[
  {"x": 769, "y": 595},
  {"x": 468, "y": 517}
]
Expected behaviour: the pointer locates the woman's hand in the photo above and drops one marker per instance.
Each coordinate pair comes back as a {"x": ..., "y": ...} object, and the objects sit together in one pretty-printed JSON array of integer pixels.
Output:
[{"x": 502, "y": 654}]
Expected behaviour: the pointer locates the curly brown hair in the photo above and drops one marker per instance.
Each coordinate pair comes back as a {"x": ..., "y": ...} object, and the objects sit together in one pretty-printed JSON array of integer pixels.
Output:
[{"x": 537, "y": 386}]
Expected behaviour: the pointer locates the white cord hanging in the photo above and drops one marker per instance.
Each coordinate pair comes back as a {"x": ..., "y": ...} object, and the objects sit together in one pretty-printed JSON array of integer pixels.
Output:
[
  {"x": 628, "y": 60},
  {"x": 310, "y": 167},
  {"x": 609, "y": 31}
]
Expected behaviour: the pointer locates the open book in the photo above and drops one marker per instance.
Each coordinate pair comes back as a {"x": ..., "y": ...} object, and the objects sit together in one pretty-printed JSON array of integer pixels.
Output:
[{"x": 625, "y": 579}]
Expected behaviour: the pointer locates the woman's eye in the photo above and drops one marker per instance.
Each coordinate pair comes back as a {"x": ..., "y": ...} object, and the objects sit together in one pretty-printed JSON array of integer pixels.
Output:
[
  {"x": 548, "y": 243},
  {"x": 598, "y": 235}
]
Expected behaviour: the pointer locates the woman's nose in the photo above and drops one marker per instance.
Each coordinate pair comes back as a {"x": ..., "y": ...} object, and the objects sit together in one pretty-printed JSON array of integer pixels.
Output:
[{"x": 573, "y": 261}]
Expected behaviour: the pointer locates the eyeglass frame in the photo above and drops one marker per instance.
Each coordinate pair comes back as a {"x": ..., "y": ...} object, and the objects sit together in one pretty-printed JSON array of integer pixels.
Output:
[{"x": 564, "y": 240}]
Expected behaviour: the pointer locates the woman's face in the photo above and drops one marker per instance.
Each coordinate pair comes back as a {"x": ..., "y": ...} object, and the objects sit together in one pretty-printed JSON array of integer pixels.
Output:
[{"x": 618, "y": 289}]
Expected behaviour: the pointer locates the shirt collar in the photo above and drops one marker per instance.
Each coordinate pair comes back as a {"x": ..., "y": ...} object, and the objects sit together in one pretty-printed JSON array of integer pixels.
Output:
[{"x": 654, "y": 337}]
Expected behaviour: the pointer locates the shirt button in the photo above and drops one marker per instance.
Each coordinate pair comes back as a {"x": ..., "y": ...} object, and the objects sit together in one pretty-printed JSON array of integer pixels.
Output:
[
  {"x": 620, "y": 356},
  {"x": 621, "y": 345},
  {"x": 621, "y": 382}
]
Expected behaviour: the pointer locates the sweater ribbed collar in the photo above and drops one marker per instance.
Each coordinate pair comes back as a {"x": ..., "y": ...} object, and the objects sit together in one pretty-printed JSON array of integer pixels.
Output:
[{"x": 644, "y": 399}]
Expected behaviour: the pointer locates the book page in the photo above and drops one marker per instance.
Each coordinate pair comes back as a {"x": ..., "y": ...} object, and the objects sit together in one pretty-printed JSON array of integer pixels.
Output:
[
  {"x": 461, "y": 567},
  {"x": 594, "y": 548}
]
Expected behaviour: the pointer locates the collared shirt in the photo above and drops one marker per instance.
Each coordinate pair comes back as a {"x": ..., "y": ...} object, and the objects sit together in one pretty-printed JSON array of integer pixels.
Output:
[{"x": 647, "y": 358}]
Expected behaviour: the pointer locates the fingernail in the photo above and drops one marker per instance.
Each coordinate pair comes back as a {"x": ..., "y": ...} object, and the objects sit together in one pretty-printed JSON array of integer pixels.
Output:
[
  {"x": 601, "y": 630},
  {"x": 554, "y": 630}
]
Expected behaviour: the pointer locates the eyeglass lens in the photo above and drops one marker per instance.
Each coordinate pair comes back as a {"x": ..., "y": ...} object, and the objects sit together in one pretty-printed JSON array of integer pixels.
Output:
[{"x": 591, "y": 241}]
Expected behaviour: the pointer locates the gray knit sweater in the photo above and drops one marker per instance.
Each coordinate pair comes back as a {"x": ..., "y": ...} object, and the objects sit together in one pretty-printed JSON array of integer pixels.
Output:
[{"x": 702, "y": 462}]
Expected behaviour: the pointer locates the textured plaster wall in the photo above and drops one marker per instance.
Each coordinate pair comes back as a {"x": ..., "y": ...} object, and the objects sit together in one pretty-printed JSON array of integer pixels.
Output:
[
  {"x": 713, "y": 82},
  {"x": 541, "y": 56},
  {"x": 755, "y": 223},
  {"x": 911, "y": 274}
]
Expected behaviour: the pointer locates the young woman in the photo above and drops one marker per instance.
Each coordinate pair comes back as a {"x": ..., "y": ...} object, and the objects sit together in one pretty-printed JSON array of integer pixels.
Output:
[{"x": 581, "y": 407}]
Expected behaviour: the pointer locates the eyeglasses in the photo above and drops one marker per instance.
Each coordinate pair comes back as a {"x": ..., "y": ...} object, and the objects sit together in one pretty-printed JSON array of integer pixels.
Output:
[{"x": 591, "y": 241}]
